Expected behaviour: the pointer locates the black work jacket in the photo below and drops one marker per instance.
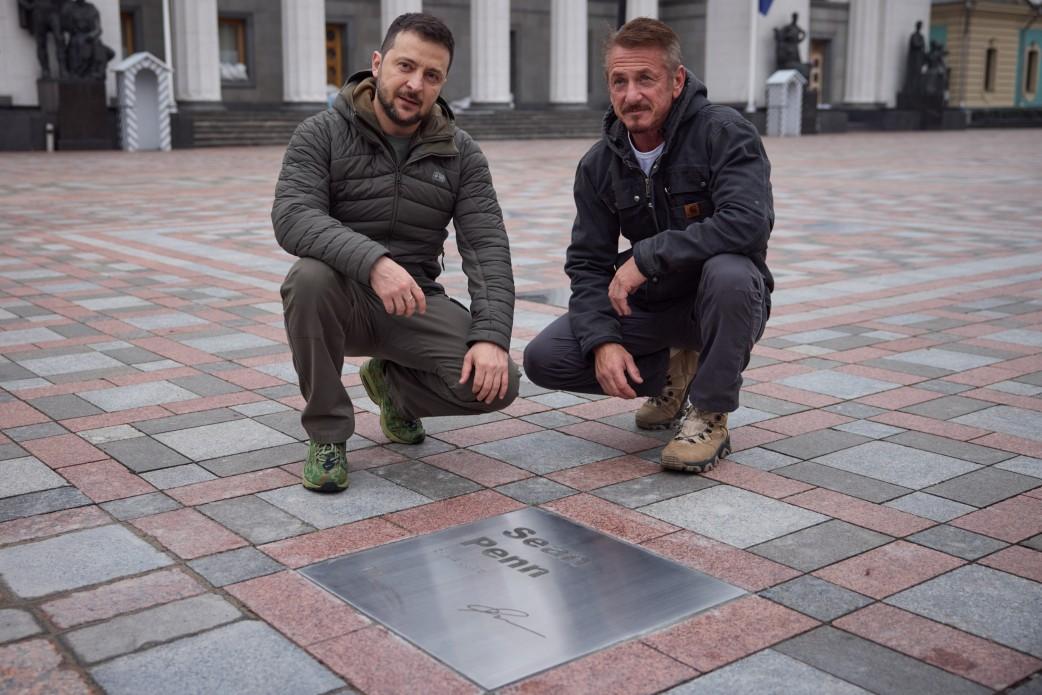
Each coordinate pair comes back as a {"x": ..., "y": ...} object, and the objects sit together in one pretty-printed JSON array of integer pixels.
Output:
[{"x": 708, "y": 193}]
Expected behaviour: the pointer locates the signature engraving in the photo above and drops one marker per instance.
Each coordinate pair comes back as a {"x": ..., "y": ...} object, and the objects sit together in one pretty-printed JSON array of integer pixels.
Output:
[{"x": 503, "y": 614}]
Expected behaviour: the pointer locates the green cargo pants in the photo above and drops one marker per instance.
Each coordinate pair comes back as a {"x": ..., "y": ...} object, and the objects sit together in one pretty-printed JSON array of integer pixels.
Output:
[{"x": 329, "y": 316}]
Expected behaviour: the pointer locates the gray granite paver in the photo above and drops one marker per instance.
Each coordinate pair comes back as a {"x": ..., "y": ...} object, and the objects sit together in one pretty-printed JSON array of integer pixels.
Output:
[
  {"x": 110, "y": 434},
  {"x": 427, "y": 480},
  {"x": 142, "y": 505},
  {"x": 867, "y": 428},
  {"x": 436, "y": 425},
  {"x": 245, "y": 657},
  {"x": 957, "y": 541},
  {"x": 842, "y": 481},
  {"x": 223, "y": 439},
  {"x": 816, "y": 597},
  {"x": 947, "y": 407},
  {"x": 536, "y": 490},
  {"x": 76, "y": 559},
  {"x": 558, "y": 399},
  {"x": 653, "y": 488},
  {"x": 1034, "y": 542},
  {"x": 1032, "y": 686},
  {"x": 747, "y": 416},
  {"x": 428, "y": 447},
  {"x": 64, "y": 406},
  {"x": 967, "y": 451},
  {"x": 871, "y": 666},
  {"x": 16, "y": 624},
  {"x": 172, "y": 319},
  {"x": 12, "y": 451},
  {"x": 254, "y": 519},
  {"x": 142, "y": 454},
  {"x": 855, "y": 410},
  {"x": 28, "y": 335},
  {"x": 546, "y": 452},
  {"x": 231, "y": 342},
  {"x": 732, "y": 515},
  {"x": 137, "y": 396},
  {"x": 287, "y": 422},
  {"x": 1025, "y": 465},
  {"x": 943, "y": 386},
  {"x": 945, "y": 359},
  {"x": 900, "y": 465},
  {"x": 984, "y": 487},
  {"x": 30, "y": 432},
  {"x": 986, "y": 602},
  {"x": 27, "y": 474},
  {"x": 551, "y": 419},
  {"x": 235, "y": 566},
  {"x": 930, "y": 506},
  {"x": 817, "y": 546},
  {"x": 770, "y": 405},
  {"x": 67, "y": 364},
  {"x": 814, "y": 444},
  {"x": 764, "y": 459},
  {"x": 1018, "y": 336},
  {"x": 764, "y": 673},
  {"x": 265, "y": 458},
  {"x": 129, "y": 633},
  {"x": 369, "y": 495},
  {"x": 205, "y": 385},
  {"x": 1020, "y": 422},
  {"x": 177, "y": 476},
  {"x": 41, "y": 502},
  {"x": 837, "y": 384}
]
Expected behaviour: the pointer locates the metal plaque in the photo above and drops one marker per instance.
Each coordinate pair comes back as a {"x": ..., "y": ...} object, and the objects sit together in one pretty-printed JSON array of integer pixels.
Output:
[{"x": 507, "y": 597}]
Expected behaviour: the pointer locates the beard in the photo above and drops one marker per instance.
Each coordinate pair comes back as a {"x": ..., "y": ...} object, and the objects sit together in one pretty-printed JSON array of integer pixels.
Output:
[{"x": 386, "y": 99}]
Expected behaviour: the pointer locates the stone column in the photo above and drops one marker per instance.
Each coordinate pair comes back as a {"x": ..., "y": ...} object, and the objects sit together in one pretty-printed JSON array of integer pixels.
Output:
[
  {"x": 303, "y": 51},
  {"x": 863, "y": 42},
  {"x": 490, "y": 53},
  {"x": 641, "y": 8},
  {"x": 568, "y": 53},
  {"x": 391, "y": 9},
  {"x": 197, "y": 66}
]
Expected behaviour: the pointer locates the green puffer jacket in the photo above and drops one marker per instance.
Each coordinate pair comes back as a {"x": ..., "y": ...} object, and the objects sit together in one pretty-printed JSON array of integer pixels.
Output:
[{"x": 343, "y": 199}]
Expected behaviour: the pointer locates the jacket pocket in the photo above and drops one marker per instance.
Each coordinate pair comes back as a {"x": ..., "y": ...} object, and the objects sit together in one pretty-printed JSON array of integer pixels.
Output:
[
  {"x": 687, "y": 190},
  {"x": 635, "y": 222}
]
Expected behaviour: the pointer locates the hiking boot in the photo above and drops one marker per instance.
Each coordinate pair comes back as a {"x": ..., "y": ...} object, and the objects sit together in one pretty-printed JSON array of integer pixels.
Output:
[
  {"x": 325, "y": 469},
  {"x": 701, "y": 442},
  {"x": 395, "y": 425},
  {"x": 665, "y": 410}
]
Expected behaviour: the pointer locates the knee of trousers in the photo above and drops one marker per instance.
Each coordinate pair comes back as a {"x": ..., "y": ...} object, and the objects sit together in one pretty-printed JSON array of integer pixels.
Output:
[
  {"x": 731, "y": 281},
  {"x": 465, "y": 396},
  {"x": 539, "y": 363},
  {"x": 309, "y": 280}
]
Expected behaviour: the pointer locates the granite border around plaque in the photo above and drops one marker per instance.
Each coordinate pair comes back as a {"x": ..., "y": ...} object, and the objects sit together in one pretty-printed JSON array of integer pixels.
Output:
[{"x": 504, "y": 598}]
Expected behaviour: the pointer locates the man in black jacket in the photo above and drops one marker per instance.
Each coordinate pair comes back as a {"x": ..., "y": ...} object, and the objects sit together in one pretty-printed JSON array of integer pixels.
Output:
[
  {"x": 675, "y": 316},
  {"x": 364, "y": 198}
]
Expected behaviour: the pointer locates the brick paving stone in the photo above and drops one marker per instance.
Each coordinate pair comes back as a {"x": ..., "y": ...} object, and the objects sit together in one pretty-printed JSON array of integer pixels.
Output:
[
  {"x": 600, "y": 473},
  {"x": 246, "y": 656},
  {"x": 222, "y": 439},
  {"x": 16, "y": 624},
  {"x": 815, "y": 444},
  {"x": 558, "y": 451},
  {"x": 177, "y": 476},
  {"x": 603, "y": 516},
  {"x": 103, "y": 481},
  {"x": 536, "y": 490},
  {"x": 720, "y": 560},
  {"x": 1025, "y": 465},
  {"x": 41, "y": 502},
  {"x": 630, "y": 667},
  {"x": 950, "y": 447},
  {"x": 234, "y": 486},
  {"x": 965, "y": 599},
  {"x": 143, "y": 454},
  {"x": 131, "y": 632},
  {"x": 930, "y": 506},
  {"x": 75, "y": 560},
  {"x": 1017, "y": 560},
  {"x": 817, "y": 546},
  {"x": 956, "y": 541},
  {"x": 141, "y": 505},
  {"x": 481, "y": 469},
  {"x": 842, "y": 481},
  {"x": 876, "y": 517},
  {"x": 900, "y": 465},
  {"x": 136, "y": 396},
  {"x": 458, "y": 510},
  {"x": 188, "y": 534},
  {"x": 28, "y": 474},
  {"x": 886, "y": 570},
  {"x": 181, "y": 422},
  {"x": 729, "y": 632},
  {"x": 762, "y": 459},
  {"x": 44, "y": 525},
  {"x": 333, "y": 542},
  {"x": 983, "y": 487},
  {"x": 872, "y": 430},
  {"x": 1011, "y": 520},
  {"x": 64, "y": 406},
  {"x": 380, "y": 663},
  {"x": 764, "y": 671},
  {"x": 257, "y": 460},
  {"x": 754, "y": 480},
  {"x": 802, "y": 423},
  {"x": 611, "y": 436},
  {"x": 732, "y": 515},
  {"x": 1006, "y": 420},
  {"x": 489, "y": 432},
  {"x": 816, "y": 597},
  {"x": 368, "y": 496},
  {"x": 36, "y": 667},
  {"x": 430, "y": 481},
  {"x": 872, "y": 666},
  {"x": 254, "y": 519},
  {"x": 30, "y": 433}
]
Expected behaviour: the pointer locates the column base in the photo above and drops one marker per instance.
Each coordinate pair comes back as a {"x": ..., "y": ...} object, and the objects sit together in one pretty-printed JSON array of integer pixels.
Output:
[
  {"x": 490, "y": 106},
  {"x": 569, "y": 106}
]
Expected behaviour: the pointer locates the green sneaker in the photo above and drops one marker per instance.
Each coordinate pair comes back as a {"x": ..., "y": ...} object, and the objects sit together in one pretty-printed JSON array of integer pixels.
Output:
[
  {"x": 394, "y": 424},
  {"x": 325, "y": 469}
]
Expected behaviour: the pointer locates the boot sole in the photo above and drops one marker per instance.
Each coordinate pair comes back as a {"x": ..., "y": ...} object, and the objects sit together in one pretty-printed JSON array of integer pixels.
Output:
[
  {"x": 370, "y": 391},
  {"x": 325, "y": 487},
  {"x": 676, "y": 464}
]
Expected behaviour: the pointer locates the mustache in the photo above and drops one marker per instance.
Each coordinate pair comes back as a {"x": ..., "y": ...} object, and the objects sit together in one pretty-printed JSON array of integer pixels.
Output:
[{"x": 409, "y": 95}]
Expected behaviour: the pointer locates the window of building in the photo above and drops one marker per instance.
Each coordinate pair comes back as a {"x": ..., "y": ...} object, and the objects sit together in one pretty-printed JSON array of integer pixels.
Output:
[
  {"x": 1031, "y": 70},
  {"x": 129, "y": 35},
  {"x": 991, "y": 58},
  {"x": 231, "y": 39},
  {"x": 335, "y": 55}
]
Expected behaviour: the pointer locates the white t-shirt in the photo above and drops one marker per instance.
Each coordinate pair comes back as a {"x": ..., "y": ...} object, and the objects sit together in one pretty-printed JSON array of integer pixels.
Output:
[{"x": 646, "y": 159}]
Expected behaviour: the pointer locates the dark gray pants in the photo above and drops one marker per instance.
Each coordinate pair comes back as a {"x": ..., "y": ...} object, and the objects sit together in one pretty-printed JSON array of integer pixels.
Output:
[
  {"x": 722, "y": 321},
  {"x": 329, "y": 316}
]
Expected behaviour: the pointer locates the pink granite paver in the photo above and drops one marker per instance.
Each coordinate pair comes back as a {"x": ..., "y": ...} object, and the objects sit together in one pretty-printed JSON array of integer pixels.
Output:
[
  {"x": 610, "y": 518},
  {"x": 452, "y": 512},
  {"x": 732, "y": 565},
  {"x": 886, "y": 520},
  {"x": 103, "y": 481},
  {"x": 482, "y": 469},
  {"x": 188, "y": 533},
  {"x": 333, "y": 542},
  {"x": 44, "y": 525},
  {"x": 1018, "y": 560},
  {"x": 888, "y": 569},
  {"x": 64, "y": 450},
  {"x": 590, "y": 476},
  {"x": 234, "y": 486},
  {"x": 36, "y": 667},
  {"x": 1011, "y": 520}
]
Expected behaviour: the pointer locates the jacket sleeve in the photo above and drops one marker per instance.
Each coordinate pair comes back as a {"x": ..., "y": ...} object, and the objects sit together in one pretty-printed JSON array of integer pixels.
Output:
[
  {"x": 482, "y": 241},
  {"x": 740, "y": 189},
  {"x": 590, "y": 264},
  {"x": 301, "y": 215}
]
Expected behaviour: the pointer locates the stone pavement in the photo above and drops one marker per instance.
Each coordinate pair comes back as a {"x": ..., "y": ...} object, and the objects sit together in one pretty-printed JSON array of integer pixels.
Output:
[{"x": 883, "y": 507}]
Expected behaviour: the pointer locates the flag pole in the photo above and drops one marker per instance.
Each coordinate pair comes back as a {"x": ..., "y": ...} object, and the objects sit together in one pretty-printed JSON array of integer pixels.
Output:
[{"x": 750, "y": 106}]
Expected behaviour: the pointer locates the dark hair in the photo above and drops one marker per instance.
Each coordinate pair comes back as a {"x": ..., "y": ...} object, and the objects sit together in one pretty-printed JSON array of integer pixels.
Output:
[
  {"x": 643, "y": 32},
  {"x": 427, "y": 26}
]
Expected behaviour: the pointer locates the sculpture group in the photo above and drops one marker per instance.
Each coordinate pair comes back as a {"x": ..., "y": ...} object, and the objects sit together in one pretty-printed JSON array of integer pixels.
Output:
[{"x": 75, "y": 27}]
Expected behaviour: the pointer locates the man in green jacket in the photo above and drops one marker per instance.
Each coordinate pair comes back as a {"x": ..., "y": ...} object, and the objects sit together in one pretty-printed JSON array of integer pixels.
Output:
[{"x": 366, "y": 192}]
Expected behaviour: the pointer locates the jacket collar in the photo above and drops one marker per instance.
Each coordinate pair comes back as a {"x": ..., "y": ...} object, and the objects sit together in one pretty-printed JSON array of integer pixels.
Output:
[{"x": 355, "y": 104}]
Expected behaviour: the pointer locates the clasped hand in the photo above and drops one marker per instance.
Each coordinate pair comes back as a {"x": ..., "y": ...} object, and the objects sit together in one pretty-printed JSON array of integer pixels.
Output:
[{"x": 396, "y": 288}]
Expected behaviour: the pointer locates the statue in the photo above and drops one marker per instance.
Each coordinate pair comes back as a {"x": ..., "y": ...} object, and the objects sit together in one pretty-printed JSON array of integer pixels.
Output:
[
  {"x": 915, "y": 62},
  {"x": 85, "y": 55},
  {"x": 935, "y": 77},
  {"x": 787, "y": 47},
  {"x": 42, "y": 18}
]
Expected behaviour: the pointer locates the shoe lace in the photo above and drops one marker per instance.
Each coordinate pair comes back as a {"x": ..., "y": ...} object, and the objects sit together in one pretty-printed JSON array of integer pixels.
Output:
[
  {"x": 698, "y": 426},
  {"x": 329, "y": 454}
]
